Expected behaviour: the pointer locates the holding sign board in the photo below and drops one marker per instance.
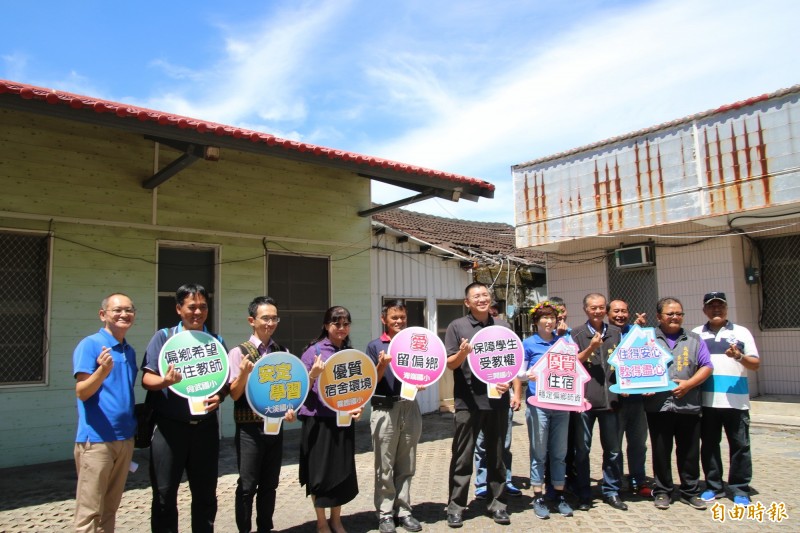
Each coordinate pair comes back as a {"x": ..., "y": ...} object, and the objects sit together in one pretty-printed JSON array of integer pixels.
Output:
[
  {"x": 347, "y": 383},
  {"x": 560, "y": 379},
  {"x": 419, "y": 359},
  {"x": 641, "y": 364},
  {"x": 496, "y": 357},
  {"x": 278, "y": 382},
  {"x": 202, "y": 362}
]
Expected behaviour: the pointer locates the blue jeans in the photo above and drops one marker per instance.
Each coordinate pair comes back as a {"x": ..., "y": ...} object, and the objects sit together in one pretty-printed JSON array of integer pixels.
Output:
[
  {"x": 633, "y": 424},
  {"x": 548, "y": 430},
  {"x": 480, "y": 455},
  {"x": 612, "y": 456}
]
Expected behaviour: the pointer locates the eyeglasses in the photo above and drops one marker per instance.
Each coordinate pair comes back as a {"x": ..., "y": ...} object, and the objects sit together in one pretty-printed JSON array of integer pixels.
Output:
[
  {"x": 341, "y": 325},
  {"x": 672, "y": 315},
  {"x": 120, "y": 310},
  {"x": 270, "y": 319}
]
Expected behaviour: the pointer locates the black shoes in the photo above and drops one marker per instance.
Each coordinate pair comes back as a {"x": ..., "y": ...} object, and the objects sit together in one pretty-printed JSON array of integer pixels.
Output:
[
  {"x": 662, "y": 501},
  {"x": 500, "y": 516},
  {"x": 695, "y": 502},
  {"x": 409, "y": 523},
  {"x": 454, "y": 520},
  {"x": 386, "y": 525},
  {"x": 585, "y": 504},
  {"x": 617, "y": 503}
]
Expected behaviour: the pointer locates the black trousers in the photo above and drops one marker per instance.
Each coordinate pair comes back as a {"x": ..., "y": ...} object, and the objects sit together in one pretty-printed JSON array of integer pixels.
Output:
[
  {"x": 179, "y": 446},
  {"x": 258, "y": 457},
  {"x": 467, "y": 426},
  {"x": 684, "y": 430}
]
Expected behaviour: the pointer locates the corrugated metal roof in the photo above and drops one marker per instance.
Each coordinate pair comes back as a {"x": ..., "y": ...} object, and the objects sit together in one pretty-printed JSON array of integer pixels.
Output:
[{"x": 659, "y": 127}]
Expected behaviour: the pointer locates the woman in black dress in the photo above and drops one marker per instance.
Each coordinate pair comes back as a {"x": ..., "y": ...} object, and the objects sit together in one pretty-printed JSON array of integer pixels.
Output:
[{"x": 327, "y": 452}]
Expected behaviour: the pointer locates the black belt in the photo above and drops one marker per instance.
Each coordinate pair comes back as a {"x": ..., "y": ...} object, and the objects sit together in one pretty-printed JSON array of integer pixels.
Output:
[
  {"x": 191, "y": 422},
  {"x": 384, "y": 402}
]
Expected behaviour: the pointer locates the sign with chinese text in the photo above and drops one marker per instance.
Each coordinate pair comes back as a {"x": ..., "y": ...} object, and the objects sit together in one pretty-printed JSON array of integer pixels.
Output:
[
  {"x": 641, "y": 363},
  {"x": 560, "y": 379},
  {"x": 419, "y": 358},
  {"x": 278, "y": 382},
  {"x": 202, "y": 362},
  {"x": 496, "y": 356},
  {"x": 347, "y": 383}
]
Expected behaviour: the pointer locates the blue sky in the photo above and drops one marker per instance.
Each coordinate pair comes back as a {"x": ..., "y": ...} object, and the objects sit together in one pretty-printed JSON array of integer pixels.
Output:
[{"x": 468, "y": 86}]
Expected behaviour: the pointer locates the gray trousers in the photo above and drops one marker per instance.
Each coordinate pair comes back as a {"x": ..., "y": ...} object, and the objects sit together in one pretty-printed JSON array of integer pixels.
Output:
[{"x": 395, "y": 434}]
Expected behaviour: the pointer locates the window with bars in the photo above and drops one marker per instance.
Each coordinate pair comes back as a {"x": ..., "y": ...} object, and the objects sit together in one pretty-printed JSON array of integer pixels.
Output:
[
  {"x": 638, "y": 287},
  {"x": 780, "y": 281},
  {"x": 23, "y": 307}
]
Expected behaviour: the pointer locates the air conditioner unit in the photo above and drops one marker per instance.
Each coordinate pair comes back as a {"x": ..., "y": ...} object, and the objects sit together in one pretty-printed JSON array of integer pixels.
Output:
[{"x": 634, "y": 256}]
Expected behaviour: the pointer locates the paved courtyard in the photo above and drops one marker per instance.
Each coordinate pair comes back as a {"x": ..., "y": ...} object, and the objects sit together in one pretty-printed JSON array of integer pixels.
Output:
[{"x": 41, "y": 498}]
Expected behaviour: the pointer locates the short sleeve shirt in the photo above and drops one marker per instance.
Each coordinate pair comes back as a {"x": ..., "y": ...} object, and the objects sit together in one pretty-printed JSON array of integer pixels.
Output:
[
  {"x": 389, "y": 385},
  {"x": 165, "y": 402},
  {"x": 471, "y": 393},
  {"x": 107, "y": 415}
]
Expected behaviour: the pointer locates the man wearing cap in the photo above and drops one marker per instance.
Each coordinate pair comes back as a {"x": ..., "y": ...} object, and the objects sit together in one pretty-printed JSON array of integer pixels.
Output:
[{"x": 726, "y": 401}]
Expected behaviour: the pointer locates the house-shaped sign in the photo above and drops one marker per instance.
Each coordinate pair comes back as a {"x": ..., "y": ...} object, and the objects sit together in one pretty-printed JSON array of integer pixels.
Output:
[
  {"x": 560, "y": 379},
  {"x": 641, "y": 363}
]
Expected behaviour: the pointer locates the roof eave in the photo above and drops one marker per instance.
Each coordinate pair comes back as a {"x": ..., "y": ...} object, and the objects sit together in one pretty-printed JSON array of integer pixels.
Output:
[{"x": 442, "y": 184}]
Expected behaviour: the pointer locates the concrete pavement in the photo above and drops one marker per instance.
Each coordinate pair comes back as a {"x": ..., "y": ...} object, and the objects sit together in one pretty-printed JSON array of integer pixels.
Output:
[{"x": 41, "y": 497}]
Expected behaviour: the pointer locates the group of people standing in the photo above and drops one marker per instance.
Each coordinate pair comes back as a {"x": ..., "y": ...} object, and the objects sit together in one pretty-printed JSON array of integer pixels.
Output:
[
  {"x": 709, "y": 369},
  {"x": 105, "y": 370}
]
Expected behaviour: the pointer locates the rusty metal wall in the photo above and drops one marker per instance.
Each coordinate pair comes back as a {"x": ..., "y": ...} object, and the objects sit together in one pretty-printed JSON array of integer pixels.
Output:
[{"x": 738, "y": 159}]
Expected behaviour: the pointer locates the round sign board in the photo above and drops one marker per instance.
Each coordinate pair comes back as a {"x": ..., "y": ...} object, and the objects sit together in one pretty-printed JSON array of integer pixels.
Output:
[
  {"x": 496, "y": 356},
  {"x": 348, "y": 381},
  {"x": 200, "y": 358},
  {"x": 278, "y": 382},
  {"x": 418, "y": 356}
]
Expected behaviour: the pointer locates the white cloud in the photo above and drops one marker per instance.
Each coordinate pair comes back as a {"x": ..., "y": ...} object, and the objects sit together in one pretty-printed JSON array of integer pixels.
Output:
[
  {"x": 260, "y": 72},
  {"x": 15, "y": 65},
  {"x": 606, "y": 76}
]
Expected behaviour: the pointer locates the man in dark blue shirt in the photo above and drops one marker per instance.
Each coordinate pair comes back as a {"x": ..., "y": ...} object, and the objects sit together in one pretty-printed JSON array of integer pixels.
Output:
[{"x": 396, "y": 425}]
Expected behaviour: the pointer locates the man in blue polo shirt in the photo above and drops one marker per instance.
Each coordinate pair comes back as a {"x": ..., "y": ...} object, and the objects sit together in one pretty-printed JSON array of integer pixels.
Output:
[
  {"x": 104, "y": 366},
  {"x": 726, "y": 400}
]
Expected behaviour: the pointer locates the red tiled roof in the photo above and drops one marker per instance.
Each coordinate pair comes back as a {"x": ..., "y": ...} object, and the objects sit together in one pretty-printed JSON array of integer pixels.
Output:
[
  {"x": 169, "y": 120},
  {"x": 659, "y": 127},
  {"x": 481, "y": 241}
]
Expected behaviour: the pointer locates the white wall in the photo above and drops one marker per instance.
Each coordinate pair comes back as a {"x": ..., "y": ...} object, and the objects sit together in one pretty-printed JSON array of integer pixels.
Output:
[
  {"x": 687, "y": 273},
  {"x": 418, "y": 276}
]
